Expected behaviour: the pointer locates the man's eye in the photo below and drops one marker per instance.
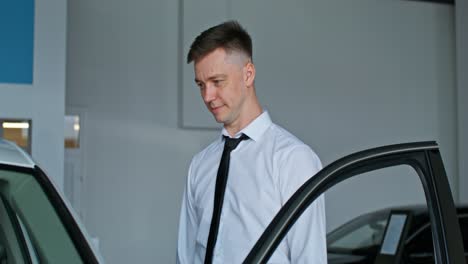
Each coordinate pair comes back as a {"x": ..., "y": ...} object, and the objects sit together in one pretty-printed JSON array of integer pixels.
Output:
[{"x": 217, "y": 82}]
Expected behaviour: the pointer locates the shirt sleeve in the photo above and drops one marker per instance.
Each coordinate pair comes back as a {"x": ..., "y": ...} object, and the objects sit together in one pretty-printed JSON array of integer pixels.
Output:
[
  {"x": 306, "y": 240},
  {"x": 187, "y": 225}
]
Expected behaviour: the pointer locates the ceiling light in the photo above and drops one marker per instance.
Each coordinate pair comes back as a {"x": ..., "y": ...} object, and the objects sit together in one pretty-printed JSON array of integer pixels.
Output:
[{"x": 23, "y": 125}]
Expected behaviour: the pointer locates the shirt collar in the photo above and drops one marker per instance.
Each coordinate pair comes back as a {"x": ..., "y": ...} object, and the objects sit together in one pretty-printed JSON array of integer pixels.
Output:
[{"x": 255, "y": 129}]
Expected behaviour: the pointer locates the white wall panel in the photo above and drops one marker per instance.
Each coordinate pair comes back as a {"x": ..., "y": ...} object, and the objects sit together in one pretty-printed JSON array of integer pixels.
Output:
[
  {"x": 197, "y": 16},
  {"x": 44, "y": 101}
]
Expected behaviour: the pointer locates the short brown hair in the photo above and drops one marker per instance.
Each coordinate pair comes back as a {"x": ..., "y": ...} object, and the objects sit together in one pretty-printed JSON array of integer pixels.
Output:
[{"x": 230, "y": 36}]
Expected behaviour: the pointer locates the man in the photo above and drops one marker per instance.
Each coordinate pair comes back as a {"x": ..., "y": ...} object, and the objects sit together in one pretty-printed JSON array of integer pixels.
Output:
[{"x": 264, "y": 170}]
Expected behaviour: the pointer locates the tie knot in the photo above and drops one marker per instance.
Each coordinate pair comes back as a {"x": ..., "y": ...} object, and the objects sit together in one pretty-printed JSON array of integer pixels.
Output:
[{"x": 232, "y": 143}]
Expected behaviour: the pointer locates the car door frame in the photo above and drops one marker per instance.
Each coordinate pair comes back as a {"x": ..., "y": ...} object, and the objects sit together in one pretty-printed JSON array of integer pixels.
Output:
[{"x": 423, "y": 157}]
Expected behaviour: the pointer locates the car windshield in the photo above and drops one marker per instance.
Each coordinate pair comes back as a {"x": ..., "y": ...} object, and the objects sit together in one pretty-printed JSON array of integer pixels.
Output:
[
  {"x": 360, "y": 235},
  {"x": 30, "y": 229}
]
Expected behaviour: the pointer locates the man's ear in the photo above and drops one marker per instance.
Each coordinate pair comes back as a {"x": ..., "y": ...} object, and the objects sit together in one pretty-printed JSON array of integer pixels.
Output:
[{"x": 249, "y": 74}]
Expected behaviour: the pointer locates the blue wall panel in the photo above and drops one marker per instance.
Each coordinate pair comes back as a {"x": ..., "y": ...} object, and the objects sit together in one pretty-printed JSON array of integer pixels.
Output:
[{"x": 16, "y": 41}]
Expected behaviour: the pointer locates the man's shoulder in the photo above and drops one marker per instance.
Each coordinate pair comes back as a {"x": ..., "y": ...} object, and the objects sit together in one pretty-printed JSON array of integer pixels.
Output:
[
  {"x": 286, "y": 144},
  {"x": 285, "y": 139}
]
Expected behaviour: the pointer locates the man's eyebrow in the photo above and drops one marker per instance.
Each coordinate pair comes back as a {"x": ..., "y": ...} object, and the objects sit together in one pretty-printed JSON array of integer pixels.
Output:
[{"x": 216, "y": 76}]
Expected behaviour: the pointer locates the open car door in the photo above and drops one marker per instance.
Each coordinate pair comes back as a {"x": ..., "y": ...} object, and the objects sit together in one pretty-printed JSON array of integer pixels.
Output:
[{"x": 423, "y": 157}]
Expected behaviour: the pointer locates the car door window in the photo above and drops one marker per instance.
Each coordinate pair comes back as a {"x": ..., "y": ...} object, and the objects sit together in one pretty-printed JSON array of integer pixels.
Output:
[
  {"x": 367, "y": 234},
  {"x": 424, "y": 161},
  {"x": 363, "y": 237}
]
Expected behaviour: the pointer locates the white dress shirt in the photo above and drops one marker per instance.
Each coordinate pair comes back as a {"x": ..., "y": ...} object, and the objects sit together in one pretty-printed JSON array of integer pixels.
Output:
[{"x": 264, "y": 172}]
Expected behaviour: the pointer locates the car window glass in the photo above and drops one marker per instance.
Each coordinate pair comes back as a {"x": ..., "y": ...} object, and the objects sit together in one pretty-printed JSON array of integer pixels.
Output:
[
  {"x": 12, "y": 250},
  {"x": 357, "y": 212},
  {"x": 32, "y": 251},
  {"x": 44, "y": 234},
  {"x": 365, "y": 232}
]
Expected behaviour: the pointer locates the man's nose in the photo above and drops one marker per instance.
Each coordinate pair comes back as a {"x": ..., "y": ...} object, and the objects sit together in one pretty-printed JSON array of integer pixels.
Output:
[{"x": 209, "y": 93}]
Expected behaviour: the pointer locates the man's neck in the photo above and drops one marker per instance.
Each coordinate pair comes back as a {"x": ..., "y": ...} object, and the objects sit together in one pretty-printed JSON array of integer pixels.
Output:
[{"x": 240, "y": 124}]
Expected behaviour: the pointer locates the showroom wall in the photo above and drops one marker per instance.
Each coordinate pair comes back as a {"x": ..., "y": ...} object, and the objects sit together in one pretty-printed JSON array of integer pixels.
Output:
[
  {"x": 388, "y": 77},
  {"x": 42, "y": 98},
  {"x": 122, "y": 72}
]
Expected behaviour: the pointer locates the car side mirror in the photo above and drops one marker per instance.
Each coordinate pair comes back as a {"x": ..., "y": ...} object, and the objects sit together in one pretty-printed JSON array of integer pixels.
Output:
[{"x": 396, "y": 230}]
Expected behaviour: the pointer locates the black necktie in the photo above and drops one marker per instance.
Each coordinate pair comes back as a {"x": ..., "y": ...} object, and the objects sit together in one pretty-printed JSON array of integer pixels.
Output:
[{"x": 221, "y": 179}]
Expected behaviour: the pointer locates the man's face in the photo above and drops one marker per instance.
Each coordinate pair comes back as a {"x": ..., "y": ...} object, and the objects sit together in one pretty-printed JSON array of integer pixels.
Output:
[{"x": 220, "y": 77}]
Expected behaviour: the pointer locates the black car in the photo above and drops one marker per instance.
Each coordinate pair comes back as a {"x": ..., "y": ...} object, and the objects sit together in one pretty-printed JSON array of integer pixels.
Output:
[{"x": 361, "y": 239}]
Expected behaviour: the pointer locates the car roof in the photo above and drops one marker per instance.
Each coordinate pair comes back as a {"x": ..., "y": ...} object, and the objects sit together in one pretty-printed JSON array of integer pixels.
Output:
[{"x": 11, "y": 154}]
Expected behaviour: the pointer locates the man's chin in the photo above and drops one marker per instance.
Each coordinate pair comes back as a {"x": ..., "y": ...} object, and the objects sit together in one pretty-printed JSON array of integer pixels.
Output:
[{"x": 219, "y": 119}]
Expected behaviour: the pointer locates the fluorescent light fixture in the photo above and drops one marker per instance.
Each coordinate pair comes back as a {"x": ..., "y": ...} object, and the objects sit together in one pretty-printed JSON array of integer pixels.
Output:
[{"x": 22, "y": 125}]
